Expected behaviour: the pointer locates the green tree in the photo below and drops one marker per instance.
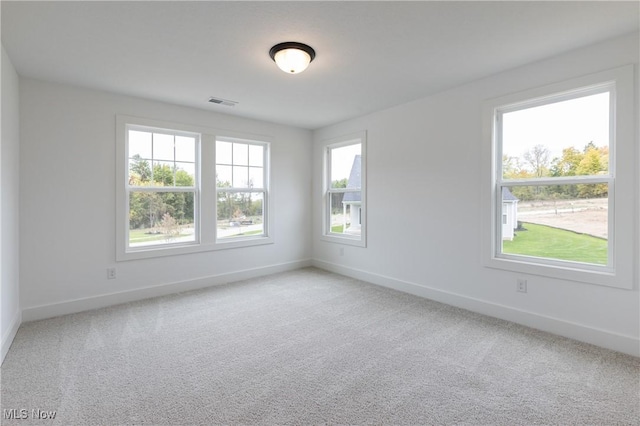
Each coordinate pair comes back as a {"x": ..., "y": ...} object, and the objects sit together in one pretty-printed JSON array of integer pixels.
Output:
[
  {"x": 567, "y": 165},
  {"x": 512, "y": 168},
  {"x": 336, "y": 198},
  {"x": 592, "y": 164},
  {"x": 224, "y": 205},
  {"x": 342, "y": 183},
  {"x": 140, "y": 168},
  {"x": 183, "y": 178},
  {"x": 524, "y": 193},
  {"x": 256, "y": 208},
  {"x": 162, "y": 175},
  {"x": 146, "y": 209}
]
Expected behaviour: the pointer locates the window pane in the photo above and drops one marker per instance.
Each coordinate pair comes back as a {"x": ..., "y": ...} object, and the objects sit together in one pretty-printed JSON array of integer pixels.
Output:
[
  {"x": 224, "y": 176},
  {"x": 163, "y": 147},
  {"x": 566, "y": 138},
  {"x": 223, "y": 152},
  {"x": 139, "y": 144},
  {"x": 562, "y": 222},
  {"x": 346, "y": 213},
  {"x": 346, "y": 167},
  {"x": 161, "y": 218},
  {"x": 185, "y": 174},
  {"x": 240, "y": 177},
  {"x": 139, "y": 172},
  {"x": 237, "y": 173},
  {"x": 240, "y": 214},
  {"x": 256, "y": 177},
  {"x": 256, "y": 155},
  {"x": 163, "y": 173},
  {"x": 240, "y": 154},
  {"x": 185, "y": 149}
]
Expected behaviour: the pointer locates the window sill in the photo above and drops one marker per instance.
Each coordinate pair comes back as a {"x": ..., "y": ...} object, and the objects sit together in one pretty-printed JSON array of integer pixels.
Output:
[
  {"x": 149, "y": 253},
  {"x": 344, "y": 239},
  {"x": 571, "y": 272}
]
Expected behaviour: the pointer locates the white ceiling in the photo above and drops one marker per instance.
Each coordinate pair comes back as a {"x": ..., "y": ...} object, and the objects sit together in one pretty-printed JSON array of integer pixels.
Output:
[{"x": 370, "y": 55}]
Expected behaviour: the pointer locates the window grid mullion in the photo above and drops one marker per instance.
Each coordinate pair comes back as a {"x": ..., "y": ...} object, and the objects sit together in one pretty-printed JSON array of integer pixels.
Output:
[
  {"x": 569, "y": 180},
  {"x": 241, "y": 190},
  {"x": 161, "y": 188},
  {"x": 343, "y": 190}
]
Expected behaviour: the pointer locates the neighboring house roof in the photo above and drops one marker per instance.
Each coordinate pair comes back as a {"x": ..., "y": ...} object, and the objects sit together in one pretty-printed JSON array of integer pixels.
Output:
[
  {"x": 507, "y": 195},
  {"x": 355, "y": 181}
]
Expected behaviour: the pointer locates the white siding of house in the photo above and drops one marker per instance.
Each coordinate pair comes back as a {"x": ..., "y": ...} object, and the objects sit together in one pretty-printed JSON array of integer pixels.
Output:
[{"x": 510, "y": 213}]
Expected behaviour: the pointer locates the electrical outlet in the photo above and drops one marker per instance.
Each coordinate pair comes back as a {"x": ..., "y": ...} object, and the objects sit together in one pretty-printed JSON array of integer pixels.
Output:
[
  {"x": 522, "y": 285},
  {"x": 341, "y": 251},
  {"x": 111, "y": 273}
]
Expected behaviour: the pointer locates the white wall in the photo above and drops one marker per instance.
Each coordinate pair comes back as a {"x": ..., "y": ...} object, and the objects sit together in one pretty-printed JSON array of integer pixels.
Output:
[
  {"x": 9, "y": 202},
  {"x": 68, "y": 193},
  {"x": 426, "y": 155}
]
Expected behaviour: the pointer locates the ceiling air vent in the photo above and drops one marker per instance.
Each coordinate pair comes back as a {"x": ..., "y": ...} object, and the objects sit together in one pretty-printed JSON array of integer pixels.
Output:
[{"x": 221, "y": 101}]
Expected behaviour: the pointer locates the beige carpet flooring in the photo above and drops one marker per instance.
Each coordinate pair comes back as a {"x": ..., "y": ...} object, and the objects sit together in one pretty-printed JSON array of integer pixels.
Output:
[{"x": 308, "y": 347}]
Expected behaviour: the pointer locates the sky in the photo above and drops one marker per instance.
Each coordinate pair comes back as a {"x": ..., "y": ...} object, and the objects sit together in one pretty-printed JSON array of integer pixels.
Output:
[
  {"x": 560, "y": 125},
  {"x": 342, "y": 161},
  {"x": 163, "y": 146}
]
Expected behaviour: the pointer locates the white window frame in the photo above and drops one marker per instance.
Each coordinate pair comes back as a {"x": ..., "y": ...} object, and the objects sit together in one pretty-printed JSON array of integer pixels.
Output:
[
  {"x": 620, "y": 270},
  {"x": 264, "y": 190},
  {"x": 327, "y": 146},
  {"x": 195, "y": 189},
  {"x": 205, "y": 197}
]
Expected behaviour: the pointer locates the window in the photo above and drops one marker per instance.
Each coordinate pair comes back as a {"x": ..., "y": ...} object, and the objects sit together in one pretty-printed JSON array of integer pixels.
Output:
[
  {"x": 557, "y": 177},
  {"x": 556, "y": 184},
  {"x": 241, "y": 188},
  {"x": 344, "y": 190},
  {"x": 162, "y": 187},
  {"x": 187, "y": 189}
]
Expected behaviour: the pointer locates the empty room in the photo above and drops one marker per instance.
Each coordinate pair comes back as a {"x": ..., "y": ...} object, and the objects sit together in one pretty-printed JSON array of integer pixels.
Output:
[{"x": 239, "y": 213}]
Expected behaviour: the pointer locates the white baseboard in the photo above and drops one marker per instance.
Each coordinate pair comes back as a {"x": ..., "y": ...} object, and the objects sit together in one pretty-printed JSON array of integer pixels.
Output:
[
  {"x": 78, "y": 305},
  {"x": 9, "y": 335},
  {"x": 606, "y": 339}
]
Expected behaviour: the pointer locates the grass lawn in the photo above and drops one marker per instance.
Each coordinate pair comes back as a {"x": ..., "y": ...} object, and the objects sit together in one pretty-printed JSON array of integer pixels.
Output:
[
  {"x": 554, "y": 243},
  {"x": 337, "y": 229},
  {"x": 257, "y": 231},
  {"x": 141, "y": 236}
]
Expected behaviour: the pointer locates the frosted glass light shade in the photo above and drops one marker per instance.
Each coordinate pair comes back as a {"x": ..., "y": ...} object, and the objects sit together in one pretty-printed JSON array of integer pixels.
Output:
[
  {"x": 292, "y": 61},
  {"x": 292, "y": 57}
]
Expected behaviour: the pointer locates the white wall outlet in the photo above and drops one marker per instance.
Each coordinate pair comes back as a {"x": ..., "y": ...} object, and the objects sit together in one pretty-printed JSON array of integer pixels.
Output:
[
  {"x": 341, "y": 251},
  {"x": 111, "y": 273},
  {"x": 522, "y": 285}
]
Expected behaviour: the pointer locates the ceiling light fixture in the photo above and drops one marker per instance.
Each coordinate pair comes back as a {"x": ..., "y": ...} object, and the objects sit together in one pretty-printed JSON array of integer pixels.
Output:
[{"x": 292, "y": 57}]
